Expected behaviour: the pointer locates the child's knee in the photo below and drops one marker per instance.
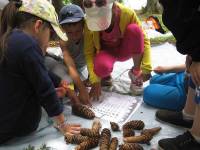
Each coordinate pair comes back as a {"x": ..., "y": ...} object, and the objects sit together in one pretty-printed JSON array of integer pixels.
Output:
[
  {"x": 134, "y": 29},
  {"x": 103, "y": 64},
  {"x": 102, "y": 68}
]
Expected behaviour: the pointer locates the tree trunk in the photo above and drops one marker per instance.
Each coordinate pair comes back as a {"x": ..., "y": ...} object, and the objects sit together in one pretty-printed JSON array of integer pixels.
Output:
[
  {"x": 152, "y": 7},
  {"x": 58, "y": 4}
]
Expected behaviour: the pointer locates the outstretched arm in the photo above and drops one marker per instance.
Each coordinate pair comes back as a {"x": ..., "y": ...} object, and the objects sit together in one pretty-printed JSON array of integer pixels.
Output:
[
  {"x": 168, "y": 69},
  {"x": 83, "y": 94}
]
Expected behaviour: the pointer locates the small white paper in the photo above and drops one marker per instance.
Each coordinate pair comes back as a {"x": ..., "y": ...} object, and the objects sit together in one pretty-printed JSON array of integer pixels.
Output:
[{"x": 116, "y": 107}]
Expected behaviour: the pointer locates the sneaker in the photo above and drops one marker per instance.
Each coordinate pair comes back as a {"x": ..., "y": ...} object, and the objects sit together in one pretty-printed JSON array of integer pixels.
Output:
[
  {"x": 182, "y": 142},
  {"x": 107, "y": 81},
  {"x": 173, "y": 117},
  {"x": 136, "y": 83}
]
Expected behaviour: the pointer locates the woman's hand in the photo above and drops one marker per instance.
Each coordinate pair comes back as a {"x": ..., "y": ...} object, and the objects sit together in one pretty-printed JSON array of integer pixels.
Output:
[{"x": 95, "y": 91}]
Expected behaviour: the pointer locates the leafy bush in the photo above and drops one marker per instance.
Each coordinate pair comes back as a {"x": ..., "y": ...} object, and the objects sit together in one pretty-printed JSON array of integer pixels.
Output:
[{"x": 66, "y": 1}]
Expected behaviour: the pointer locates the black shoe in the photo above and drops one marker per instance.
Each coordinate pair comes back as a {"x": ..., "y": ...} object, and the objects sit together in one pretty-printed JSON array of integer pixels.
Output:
[
  {"x": 181, "y": 142},
  {"x": 173, "y": 117}
]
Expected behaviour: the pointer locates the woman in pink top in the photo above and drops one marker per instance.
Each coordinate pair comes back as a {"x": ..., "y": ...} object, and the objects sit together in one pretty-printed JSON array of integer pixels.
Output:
[{"x": 120, "y": 38}]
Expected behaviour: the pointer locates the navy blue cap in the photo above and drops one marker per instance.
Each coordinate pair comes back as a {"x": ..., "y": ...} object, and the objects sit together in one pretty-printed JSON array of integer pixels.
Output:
[{"x": 70, "y": 14}]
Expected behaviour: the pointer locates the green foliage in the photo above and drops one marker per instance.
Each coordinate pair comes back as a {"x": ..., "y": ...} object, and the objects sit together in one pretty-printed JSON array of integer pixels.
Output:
[
  {"x": 163, "y": 39},
  {"x": 30, "y": 148},
  {"x": 66, "y": 1}
]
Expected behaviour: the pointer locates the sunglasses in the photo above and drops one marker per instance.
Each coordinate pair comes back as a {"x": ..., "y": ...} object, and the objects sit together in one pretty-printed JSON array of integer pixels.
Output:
[{"x": 98, "y": 3}]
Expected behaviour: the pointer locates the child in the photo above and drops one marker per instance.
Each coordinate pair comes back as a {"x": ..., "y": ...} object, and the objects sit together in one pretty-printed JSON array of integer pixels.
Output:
[
  {"x": 71, "y": 19},
  {"x": 25, "y": 84},
  {"x": 116, "y": 36},
  {"x": 185, "y": 27},
  {"x": 171, "y": 83}
]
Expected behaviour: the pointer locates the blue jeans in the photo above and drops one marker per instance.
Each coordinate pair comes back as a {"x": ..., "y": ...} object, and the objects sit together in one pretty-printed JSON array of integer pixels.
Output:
[{"x": 166, "y": 91}]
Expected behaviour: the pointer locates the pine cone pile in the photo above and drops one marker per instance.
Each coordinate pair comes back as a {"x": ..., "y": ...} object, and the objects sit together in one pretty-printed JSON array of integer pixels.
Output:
[
  {"x": 89, "y": 138},
  {"x": 146, "y": 134}
]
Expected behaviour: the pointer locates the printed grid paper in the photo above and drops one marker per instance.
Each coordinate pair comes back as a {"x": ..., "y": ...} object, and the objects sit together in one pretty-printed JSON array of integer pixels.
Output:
[{"x": 116, "y": 107}]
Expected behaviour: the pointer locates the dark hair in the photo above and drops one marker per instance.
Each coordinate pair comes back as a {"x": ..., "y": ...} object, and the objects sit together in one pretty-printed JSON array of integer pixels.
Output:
[{"x": 11, "y": 18}]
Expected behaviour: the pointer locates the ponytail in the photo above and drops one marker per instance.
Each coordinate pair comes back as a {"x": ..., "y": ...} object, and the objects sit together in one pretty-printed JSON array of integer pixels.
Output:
[{"x": 7, "y": 23}]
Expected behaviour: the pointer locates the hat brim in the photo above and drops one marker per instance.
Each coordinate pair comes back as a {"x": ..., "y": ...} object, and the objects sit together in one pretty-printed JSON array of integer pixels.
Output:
[
  {"x": 99, "y": 18},
  {"x": 59, "y": 32},
  {"x": 72, "y": 20}
]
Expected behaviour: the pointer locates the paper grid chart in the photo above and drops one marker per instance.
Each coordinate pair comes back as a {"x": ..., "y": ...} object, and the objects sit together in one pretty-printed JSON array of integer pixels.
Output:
[{"x": 116, "y": 107}]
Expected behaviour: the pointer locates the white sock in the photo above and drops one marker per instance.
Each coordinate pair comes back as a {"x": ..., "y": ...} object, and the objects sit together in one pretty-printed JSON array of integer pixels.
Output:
[{"x": 187, "y": 116}]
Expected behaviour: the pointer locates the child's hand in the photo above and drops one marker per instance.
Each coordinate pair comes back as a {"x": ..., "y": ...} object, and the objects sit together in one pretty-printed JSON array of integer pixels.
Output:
[
  {"x": 95, "y": 91},
  {"x": 63, "y": 84},
  {"x": 70, "y": 128},
  {"x": 84, "y": 97},
  {"x": 72, "y": 96},
  {"x": 60, "y": 91}
]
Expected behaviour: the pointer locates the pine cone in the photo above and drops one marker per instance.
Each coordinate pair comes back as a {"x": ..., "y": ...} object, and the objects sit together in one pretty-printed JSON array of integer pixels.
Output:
[
  {"x": 144, "y": 138},
  {"x": 130, "y": 146},
  {"x": 114, "y": 126},
  {"x": 105, "y": 139},
  {"x": 90, "y": 143},
  {"x": 82, "y": 111},
  {"x": 75, "y": 139},
  {"x": 151, "y": 131},
  {"x": 134, "y": 124},
  {"x": 113, "y": 143},
  {"x": 96, "y": 125},
  {"x": 128, "y": 132},
  {"x": 89, "y": 132}
]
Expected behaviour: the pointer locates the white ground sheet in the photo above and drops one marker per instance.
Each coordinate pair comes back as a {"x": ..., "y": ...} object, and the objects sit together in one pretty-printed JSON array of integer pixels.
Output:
[{"x": 164, "y": 54}]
